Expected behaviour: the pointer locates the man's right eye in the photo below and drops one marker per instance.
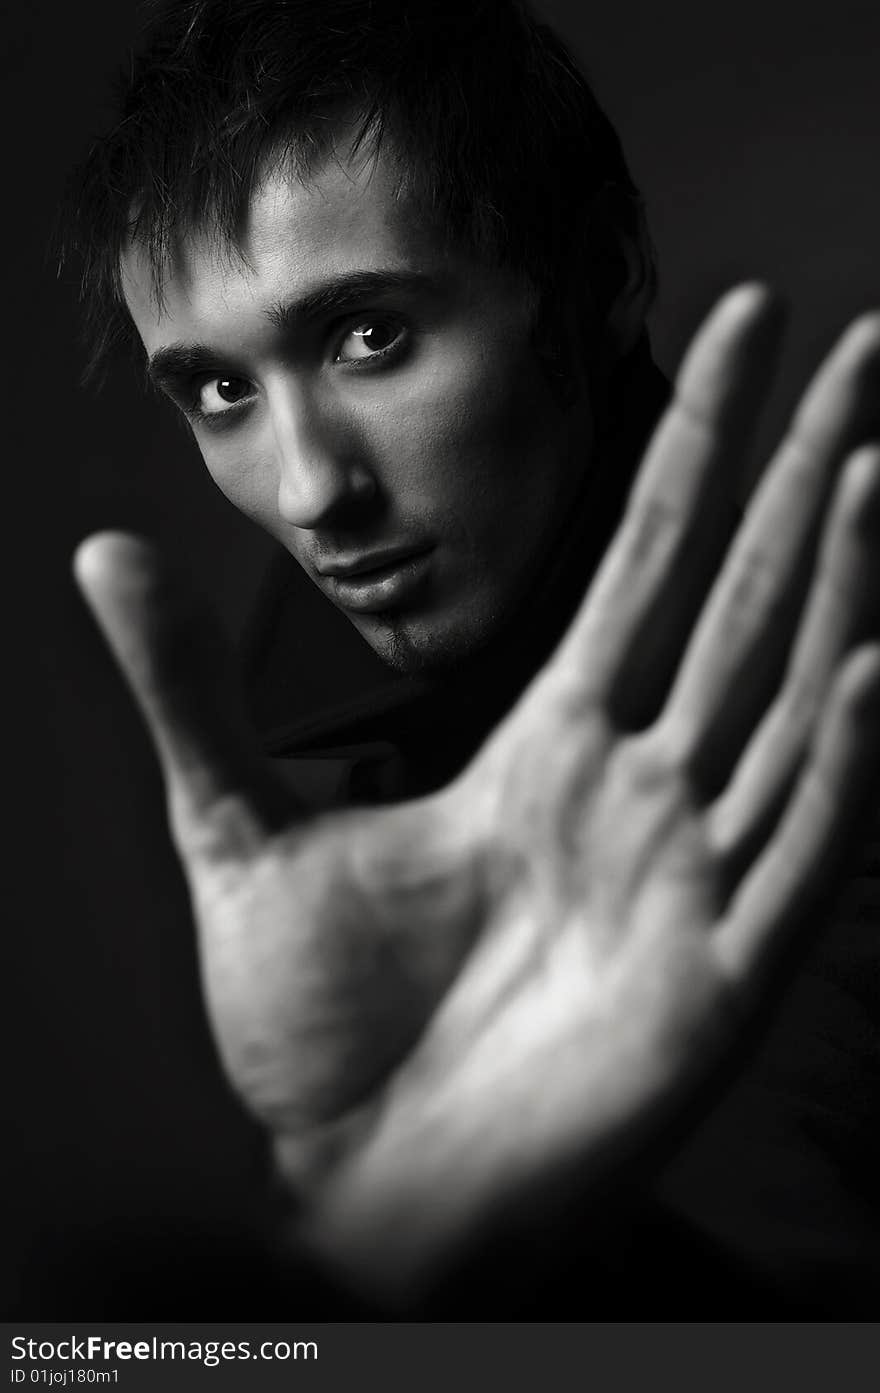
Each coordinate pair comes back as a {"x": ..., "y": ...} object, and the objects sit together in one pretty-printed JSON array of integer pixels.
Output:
[{"x": 217, "y": 395}]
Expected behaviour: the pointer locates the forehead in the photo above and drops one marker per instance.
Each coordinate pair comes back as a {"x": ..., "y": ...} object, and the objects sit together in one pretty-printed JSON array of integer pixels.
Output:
[{"x": 348, "y": 215}]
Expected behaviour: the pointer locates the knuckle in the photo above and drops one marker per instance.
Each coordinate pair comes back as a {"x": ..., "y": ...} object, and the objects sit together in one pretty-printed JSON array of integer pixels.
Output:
[
  {"x": 653, "y": 526},
  {"x": 695, "y": 412},
  {"x": 753, "y": 588},
  {"x": 657, "y": 761}
]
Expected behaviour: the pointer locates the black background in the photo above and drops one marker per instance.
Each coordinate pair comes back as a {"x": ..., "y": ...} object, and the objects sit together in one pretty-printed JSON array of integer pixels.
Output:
[{"x": 753, "y": 130}]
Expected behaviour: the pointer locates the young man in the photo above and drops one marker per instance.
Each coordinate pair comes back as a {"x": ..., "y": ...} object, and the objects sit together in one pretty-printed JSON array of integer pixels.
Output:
[{"x": 390, "y": 264}]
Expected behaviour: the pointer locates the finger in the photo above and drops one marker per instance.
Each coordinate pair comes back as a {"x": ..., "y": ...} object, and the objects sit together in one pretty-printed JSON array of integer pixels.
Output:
[
  {"x": 843, "y": 610},
  {"x": 641, "y": 608},
  {"x": 221, "y": 794},
  {"x": 738, "y": 653},
  {"x": 779, "y": 895}
]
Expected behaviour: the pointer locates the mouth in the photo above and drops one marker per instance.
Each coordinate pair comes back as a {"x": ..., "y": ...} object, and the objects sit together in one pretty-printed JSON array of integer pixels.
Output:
[{"x": 382, "y": 580}]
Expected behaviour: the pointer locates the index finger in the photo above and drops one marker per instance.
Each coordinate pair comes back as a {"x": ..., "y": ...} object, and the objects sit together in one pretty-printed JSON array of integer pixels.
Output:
[{"x": 679, "y": 517}]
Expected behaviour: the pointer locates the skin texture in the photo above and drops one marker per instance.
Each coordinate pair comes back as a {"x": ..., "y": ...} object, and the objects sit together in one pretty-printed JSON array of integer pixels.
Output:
[
  {"x": 445, "y": 1010},
  {"x": 453, "y": 440}
]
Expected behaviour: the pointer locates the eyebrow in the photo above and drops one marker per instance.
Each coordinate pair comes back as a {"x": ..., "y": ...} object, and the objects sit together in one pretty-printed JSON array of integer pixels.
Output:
[
  {"x": 180, "y": 360},
  {"x": 336, "y": 296}
]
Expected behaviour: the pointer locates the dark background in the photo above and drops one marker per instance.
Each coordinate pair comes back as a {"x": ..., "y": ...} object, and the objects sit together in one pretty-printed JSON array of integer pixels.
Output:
[{"x": 753, "y": 130}]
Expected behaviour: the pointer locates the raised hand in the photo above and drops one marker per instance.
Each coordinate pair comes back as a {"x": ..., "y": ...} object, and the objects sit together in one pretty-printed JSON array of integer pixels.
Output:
[{"x": 440, "y": 1007}]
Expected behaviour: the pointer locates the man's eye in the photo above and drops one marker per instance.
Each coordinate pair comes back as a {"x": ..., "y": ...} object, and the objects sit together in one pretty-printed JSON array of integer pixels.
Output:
[
  {"x": 219, "y": 393},
  {"x": 368, "y": 339}
]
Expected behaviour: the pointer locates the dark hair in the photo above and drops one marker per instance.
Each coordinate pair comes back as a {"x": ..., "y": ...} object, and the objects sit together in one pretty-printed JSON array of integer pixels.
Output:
[{"x": 498, "y": 135}]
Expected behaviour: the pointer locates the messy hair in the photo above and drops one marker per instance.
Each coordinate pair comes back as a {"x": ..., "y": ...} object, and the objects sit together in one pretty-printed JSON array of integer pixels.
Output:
[{"x": 498, "y": 137}]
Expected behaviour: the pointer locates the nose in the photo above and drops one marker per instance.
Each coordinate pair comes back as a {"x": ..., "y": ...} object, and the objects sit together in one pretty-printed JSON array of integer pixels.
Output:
[{"x": 322, "y": 461}]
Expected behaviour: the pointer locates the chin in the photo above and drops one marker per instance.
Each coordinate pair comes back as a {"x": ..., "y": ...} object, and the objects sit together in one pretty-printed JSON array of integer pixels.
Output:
[{"x": 421, "y": 648}]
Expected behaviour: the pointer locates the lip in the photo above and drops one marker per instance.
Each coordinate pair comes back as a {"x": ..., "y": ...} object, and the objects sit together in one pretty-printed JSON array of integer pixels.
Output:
[
  {"x": 345, "y": 566},
  {"x": 380, "y": 580}
]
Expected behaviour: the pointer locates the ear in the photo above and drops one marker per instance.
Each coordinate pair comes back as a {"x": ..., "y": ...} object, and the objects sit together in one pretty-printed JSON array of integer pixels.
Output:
[{"x": 620, "y": 270}]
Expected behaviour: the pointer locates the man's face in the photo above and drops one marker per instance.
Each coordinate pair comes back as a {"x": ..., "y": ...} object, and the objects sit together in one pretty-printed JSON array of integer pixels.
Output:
[{"x": 372, "y": 398}]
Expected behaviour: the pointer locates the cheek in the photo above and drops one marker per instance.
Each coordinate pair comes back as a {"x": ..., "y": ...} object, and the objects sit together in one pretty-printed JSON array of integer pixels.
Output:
[
  {"x": 485, "y": 439},
  {"x": 245, "y": 474}
]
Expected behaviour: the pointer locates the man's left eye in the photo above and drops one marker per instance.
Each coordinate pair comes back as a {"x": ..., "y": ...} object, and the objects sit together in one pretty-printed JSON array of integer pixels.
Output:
[{"x": 368, "y": 339}]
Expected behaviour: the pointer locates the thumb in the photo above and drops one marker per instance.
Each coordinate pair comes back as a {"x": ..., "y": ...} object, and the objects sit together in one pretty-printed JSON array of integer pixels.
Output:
[{"x": 223, "y": 799}]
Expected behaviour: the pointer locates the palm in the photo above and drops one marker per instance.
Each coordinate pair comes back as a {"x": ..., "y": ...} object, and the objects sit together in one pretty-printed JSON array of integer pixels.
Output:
[
  {"x": 527, "y": 970},
  {"x": 420, "y": 925},
  {"x": 441, "y": 968}
]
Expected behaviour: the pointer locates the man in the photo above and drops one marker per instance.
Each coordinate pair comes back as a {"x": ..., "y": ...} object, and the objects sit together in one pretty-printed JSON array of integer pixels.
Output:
[{"x": 391, "y": 266}]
